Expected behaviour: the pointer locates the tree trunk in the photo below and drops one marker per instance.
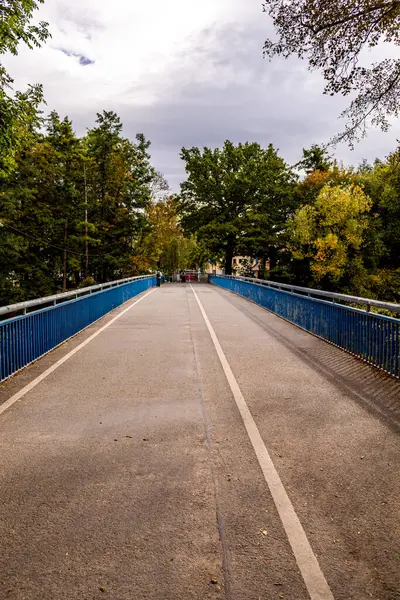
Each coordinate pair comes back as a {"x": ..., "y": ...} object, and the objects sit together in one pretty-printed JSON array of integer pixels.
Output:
[
  {"x": 229, "y": 256},
  {"x": 65, "y": 255},
  {"x": 86, "y": 227},
  {"x": 103, "y": 186},
  {"x": 263, "y": 267},
  {"x": 273, "y": 259}
]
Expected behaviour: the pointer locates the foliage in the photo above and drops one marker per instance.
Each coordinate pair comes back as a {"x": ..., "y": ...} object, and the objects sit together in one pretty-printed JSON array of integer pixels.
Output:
[
  {"x": 235, "y": 198},
  {"x": 315, "y": 159},
  {"x": 332, "y": 37},
  {"x": 15, "y": 18},
  {"x": 245, "y": 269},
  {"x": 78, "y": 210},
  {"x": 67, "y": 194},
  {"x": 19, "y": 112},
  {"x": 384, "y": 283},
  {"x": 309, "y": 188},
  {"x": 165, "y": 245},
  {"x": 331, "y": 231},
  {"x": 119, "y": 180}
]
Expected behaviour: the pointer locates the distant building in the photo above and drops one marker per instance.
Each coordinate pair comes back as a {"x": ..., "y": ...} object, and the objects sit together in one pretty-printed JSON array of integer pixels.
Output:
[{"x": 238, "y": 263}]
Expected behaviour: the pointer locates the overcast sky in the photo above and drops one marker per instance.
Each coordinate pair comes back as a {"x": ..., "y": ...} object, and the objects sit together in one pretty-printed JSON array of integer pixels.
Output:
[{"x": 184, "y": 73}]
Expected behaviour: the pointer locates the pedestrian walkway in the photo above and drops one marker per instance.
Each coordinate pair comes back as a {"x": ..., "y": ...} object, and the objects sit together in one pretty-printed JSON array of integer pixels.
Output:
[{"x": 191, "y": 445}]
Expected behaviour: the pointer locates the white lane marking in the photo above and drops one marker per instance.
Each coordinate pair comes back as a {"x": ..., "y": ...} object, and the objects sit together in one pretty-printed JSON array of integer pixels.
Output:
[
  {"x": 307, "y": 562},
  {"x": 62, "y": 360}
]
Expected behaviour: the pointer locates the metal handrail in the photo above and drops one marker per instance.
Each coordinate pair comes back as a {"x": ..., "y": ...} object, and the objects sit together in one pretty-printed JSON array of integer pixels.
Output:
[
  {"x": 368, "y": 302},
  {"x": 64, "y": 296},
  {"x": 373, "y": 337}
]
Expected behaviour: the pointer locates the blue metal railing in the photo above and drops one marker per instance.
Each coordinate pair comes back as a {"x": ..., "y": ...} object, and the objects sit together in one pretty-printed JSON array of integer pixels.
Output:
[
  {"x": 26, "y": 338},
  {"x": 373, "y": 337}
]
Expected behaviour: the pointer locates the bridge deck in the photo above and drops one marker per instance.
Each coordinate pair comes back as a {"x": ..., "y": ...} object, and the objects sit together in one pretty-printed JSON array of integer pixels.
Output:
[{"x": 128, "y": 473}]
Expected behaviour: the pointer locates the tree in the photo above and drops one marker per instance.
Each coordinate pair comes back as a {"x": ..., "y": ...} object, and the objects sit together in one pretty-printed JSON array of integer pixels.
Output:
[
  {"x": 42, "y": 207},
  {"x": 308, "y": 189},
  {"x": 332, "y": 37},
  {"x": 381, "y": 181},
  {"x": 331, "y": 233},
  {"x": 160, "y": 191},
  {"x": 165, "y": 246},
  {"x": 119, "y": 180},
  {"x": 315, "y": 159},
  {"x": 19, "y": 112},
  {"x": 235, "y": 198},
  {"x": 27, "y": 205},
  {"x": 71, "y": 208},
  {"x": 15, "y": 25}
]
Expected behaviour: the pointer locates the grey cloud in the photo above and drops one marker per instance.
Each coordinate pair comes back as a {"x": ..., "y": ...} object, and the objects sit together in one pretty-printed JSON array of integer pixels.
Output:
[
  {"x": 85, "y": 21},
  {"x": 83, "y": 60},
  {"x": 221, "y": 88},
  {"x": 242, "y": 98}
]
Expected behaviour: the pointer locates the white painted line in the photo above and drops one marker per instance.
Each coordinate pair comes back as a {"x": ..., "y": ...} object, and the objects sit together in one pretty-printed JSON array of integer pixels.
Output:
[
  {"x": 62, "y": 360},
  {"x": 307, "y": 562}
]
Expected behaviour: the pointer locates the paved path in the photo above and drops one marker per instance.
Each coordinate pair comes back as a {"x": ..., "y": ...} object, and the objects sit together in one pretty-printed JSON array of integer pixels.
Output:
[{"x": 128, "y": 472}]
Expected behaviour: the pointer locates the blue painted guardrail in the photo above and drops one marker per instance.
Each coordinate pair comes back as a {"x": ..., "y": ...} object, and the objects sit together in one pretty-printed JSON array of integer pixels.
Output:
[
  {"x": 373, "y": 337},
  {"x": 25, "y": 338}
]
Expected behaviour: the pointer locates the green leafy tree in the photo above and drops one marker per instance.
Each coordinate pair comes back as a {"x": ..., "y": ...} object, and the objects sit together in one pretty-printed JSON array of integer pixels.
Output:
[
  {"x": 42, "y": 208},
  {"x": 19, "y": 111},
  {"x": 381, "y": 182},
  {"x": 119, "y": 180},
  {"x": 165, "y": 246},
  {"x": 333, "y": 37},
  {"x": 315, "y": 159},
  {"x": 19, "y": 119},
  {"x": 16, "y": 27},
  {"x": 28, "y": 225},
  {"x": 69, "y": 209},
  {"x": 72, "y": 209},
  {"x": 235, "y": 199}
]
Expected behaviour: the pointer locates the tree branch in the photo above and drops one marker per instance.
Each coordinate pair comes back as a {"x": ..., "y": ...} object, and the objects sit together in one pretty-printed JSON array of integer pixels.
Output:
[{"x": 316, "y": 31}]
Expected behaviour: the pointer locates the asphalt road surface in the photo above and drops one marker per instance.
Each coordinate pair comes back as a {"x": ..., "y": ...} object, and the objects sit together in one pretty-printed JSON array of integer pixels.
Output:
[{"x": 199, "y": 447}]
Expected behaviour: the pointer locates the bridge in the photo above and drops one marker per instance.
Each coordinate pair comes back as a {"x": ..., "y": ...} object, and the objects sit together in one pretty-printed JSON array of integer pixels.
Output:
[{"x": 184, "y": 442}]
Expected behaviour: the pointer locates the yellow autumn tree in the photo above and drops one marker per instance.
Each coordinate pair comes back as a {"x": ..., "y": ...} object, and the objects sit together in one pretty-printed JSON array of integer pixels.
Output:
[
  {"x": 165, "y": 245},
  {"x": 330, "y": 232},
  {"x": 309, "y": 188}
]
